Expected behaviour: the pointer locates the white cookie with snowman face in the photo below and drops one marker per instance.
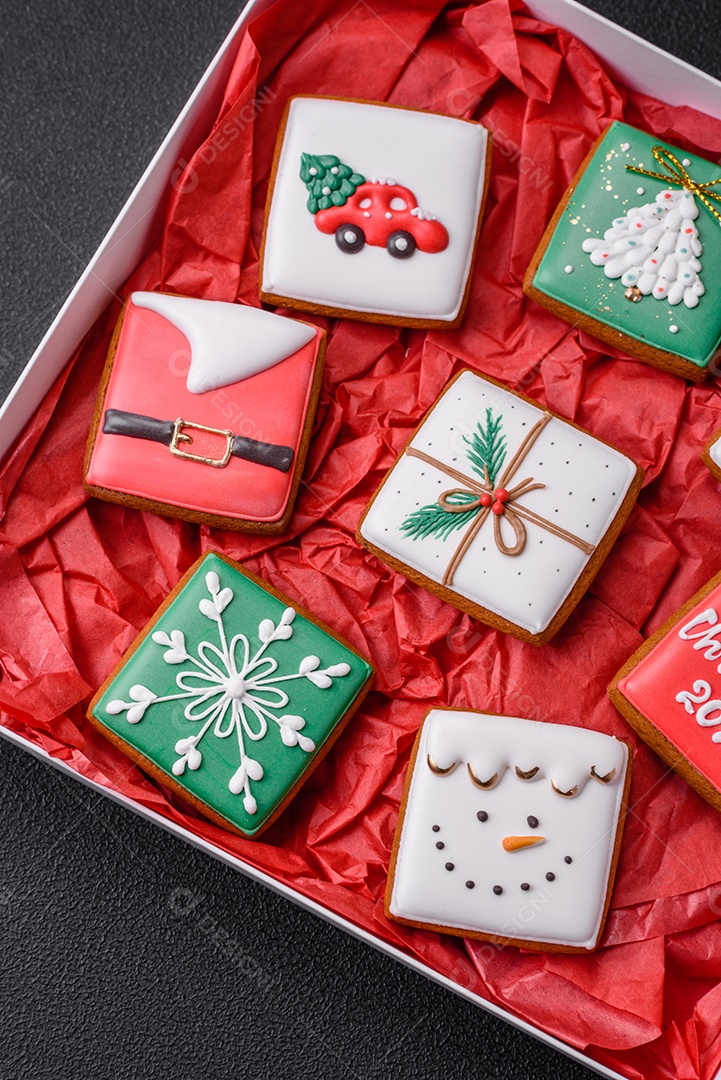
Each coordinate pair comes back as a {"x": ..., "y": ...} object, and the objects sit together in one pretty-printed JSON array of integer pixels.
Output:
[{"x": 510, "y": 830}]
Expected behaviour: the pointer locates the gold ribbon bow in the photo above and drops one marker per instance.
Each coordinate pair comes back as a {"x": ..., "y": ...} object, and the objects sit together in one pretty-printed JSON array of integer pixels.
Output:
[
  {"x": 675, "y": 173},
  {"x": 485, "y": 498}
]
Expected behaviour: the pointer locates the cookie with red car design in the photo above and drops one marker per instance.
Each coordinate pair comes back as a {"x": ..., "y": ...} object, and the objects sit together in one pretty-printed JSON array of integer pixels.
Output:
[
  {"x": 374, "y": 212},
  {"x": 205, "y": 412}
]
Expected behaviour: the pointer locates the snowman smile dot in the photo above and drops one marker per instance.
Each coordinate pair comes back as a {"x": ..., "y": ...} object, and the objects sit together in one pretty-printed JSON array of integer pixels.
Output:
[
  {"x": 498, "y": 889},
  {"x": 436, "y": 828},
  {"x": 470, "y": 884},
  {"x": 550, "y": 876},
  {"x": 450, "y": 866},
  {"x": 440, "y": 845},
  {"x": 525, "y": 886}
]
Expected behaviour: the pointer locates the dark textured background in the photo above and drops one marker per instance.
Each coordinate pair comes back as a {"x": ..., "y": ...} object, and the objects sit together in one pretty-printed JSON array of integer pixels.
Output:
[{"x": 125, "y": 953}]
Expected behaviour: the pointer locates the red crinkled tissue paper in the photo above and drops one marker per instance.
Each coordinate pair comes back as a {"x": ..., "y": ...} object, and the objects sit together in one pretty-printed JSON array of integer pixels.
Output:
[{"x": 80, "y": 578}]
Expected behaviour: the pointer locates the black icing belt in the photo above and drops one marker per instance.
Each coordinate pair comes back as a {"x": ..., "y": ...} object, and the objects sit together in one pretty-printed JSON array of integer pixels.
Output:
[{"x": 170, "y": 433}]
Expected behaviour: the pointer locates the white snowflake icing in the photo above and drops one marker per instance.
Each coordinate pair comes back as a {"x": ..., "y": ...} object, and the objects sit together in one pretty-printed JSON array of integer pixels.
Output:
[{"x": 231, "y": 691}]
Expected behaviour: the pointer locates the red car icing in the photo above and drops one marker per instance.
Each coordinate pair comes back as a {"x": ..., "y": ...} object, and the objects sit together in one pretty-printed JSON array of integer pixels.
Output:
[{"x": 384, "y": 211}]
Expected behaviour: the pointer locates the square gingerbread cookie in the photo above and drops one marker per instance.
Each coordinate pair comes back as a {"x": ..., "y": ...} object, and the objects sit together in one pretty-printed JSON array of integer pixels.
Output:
[
  {"x": 711, "y": 455},
  {"x": 501, "y": 508},
  {"x": 670, "y": 691},
  {"x": 374, "y": 212},
  {"x": 231, "y": 695},
  {"x": 205, "y": 412},
  {"x": 509, "y": 831},
  {"x": 633, "y": 253}
]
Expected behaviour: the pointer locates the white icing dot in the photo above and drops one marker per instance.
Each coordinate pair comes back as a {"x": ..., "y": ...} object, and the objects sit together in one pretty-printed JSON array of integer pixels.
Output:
[
  {"x": 334, "y": 170},
  {"x": 673, "y": 328},
  {"x": 401, "y": 243},
  {"x": 625, "y": 146},
  {"x": 313, "y": 172},
  {"x": 366, "y": 213},
  {"x": 326, "y": 191},
  {"x": 640, "y": 190},
  {"x": 686, "y": 161},
  {"x": 388, "y": 214},
  {"x": 349, "y": 236},
  {"x": 568, "y": 269}
]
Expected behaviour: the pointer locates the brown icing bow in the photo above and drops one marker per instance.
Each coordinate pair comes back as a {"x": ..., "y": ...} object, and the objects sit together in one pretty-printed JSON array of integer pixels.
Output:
[{"x": 501, "y": 501}]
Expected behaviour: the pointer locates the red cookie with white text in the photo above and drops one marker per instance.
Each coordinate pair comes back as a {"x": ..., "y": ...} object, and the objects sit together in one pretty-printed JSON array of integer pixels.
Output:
[
  {"x": 670, "y": 692},
  {"x": 205, "y": 412}
]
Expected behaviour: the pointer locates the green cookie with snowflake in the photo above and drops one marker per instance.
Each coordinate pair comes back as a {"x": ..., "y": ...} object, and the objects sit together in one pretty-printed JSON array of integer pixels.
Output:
[{"x": 231, "y": 695}]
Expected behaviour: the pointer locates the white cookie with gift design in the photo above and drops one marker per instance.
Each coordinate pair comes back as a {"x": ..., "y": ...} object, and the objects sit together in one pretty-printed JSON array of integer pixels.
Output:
[
  {"x": 501, "y": 508},
  {"x": 509, "y": 830}
]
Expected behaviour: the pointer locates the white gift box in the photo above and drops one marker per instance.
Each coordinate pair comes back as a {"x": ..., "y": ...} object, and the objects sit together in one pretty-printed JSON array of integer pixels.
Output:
[{"x": 637, "y": 63}]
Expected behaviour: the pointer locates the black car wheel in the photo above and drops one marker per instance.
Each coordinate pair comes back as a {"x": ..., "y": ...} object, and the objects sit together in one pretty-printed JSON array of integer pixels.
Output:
[
  {"x": 350, "y": 239},
  {"x": 400, "y": 245}
]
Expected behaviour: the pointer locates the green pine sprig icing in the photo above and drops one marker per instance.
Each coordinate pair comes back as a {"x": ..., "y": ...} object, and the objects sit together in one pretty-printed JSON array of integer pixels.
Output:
[
  {"x": 329, "y": 181},
  {"x": 486, "y": 447}
]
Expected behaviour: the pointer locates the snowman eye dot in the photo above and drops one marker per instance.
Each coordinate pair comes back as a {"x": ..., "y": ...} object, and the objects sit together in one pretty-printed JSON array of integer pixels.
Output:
[
  {"x": 532, "y": 822},
  {"x": 525, "y": 886},
  {"x": 436, "y": 828},
  {"x": 550, "y": 876},
  {"x": 567, "y": 859},
  {"x": 470, "y": 884},
  {"x": 482, "y": 815},
  {"x": 440, "y": 845},
  {"x": 498, "y": 889},
  {"x": 450, "y": 866}
]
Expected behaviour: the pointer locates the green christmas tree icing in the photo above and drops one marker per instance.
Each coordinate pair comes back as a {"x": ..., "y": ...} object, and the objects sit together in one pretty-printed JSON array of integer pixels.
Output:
[
  {"x": 329, "y": 181},
  {"x": 486, "y": 450}
]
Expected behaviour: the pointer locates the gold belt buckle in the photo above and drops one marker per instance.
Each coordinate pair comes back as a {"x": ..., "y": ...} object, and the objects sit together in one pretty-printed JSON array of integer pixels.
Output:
[{"x": 180, "y": 436}]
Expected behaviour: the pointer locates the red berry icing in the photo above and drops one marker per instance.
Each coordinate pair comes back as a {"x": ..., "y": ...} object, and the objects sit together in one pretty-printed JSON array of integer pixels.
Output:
[
  {"x": 501, "y": 495},
  {"x": 486, "y": 500},
  {"x": 497, "y": 508}
]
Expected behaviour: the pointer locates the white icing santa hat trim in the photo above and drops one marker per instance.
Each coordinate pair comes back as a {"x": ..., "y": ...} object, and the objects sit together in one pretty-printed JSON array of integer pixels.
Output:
[{"x": 228, "y": 342}]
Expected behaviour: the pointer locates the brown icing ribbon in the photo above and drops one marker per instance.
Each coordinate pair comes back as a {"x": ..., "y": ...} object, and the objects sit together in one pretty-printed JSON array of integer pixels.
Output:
[{"x": 500, "y": 501}]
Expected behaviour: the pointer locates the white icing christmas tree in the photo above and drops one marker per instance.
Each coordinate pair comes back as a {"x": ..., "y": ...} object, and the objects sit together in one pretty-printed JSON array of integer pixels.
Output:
[{"x": 655, "y": 248}]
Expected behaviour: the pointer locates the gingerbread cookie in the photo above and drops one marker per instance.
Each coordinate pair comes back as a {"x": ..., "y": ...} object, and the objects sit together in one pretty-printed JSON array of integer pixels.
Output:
[
  {"x": 633, "y": 253},
  {"x": 711, "y": 455},
  {"x": 205, "y": 412},
  {"x": 231, "y": 695},
  {"x": 501, "y": 508},
  {"x": 670, "y": 692},
  {"x": 509, "y": 831},
  {"x": 374, "y": 212}
]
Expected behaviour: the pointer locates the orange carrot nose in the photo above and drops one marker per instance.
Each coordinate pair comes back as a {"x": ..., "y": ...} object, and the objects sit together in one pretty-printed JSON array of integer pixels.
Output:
[{"x": 515, "y": 843}]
